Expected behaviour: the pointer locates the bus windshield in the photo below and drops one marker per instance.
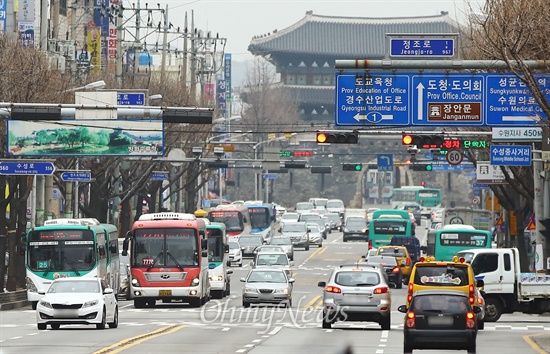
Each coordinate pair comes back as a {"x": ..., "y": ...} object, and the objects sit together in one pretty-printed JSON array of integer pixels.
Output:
[
  {"x": 61, "y": 250},
  {"x": 215, "y": 248},
  {"x": 165, "y": 248},
  {"x": 232, "y": 219},
  {"x": 260, "y": 217}
]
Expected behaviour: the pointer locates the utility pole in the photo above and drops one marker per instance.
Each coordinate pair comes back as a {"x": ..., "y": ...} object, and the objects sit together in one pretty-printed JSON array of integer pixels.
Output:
[
  {"x": 164, "y": 49},
  {"x": 185, "y": 56},
  {"x": 193, "y": 88},
  {"x": 119, "y": 55}
]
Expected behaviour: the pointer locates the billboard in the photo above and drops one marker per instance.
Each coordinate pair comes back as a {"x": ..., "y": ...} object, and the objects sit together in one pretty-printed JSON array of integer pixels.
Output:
[
  {"x": 85, "y": 138},
  {"x": 93, "y": 41}
]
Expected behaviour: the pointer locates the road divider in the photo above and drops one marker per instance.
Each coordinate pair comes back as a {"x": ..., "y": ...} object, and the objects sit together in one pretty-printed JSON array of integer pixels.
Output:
[{"x": 130, "y": 342}]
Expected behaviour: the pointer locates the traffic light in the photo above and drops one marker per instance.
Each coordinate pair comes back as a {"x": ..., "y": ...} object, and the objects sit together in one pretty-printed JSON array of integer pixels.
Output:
[
  {"x": 352, "y": 167},
  {"x": 422, "y": 167},
  {"x": 546, "y": 231},
  {"x": 295, "y": 164},
  {"x": 423, "y": 141},
  {"x": 321, "y": 169},
  {"x": 337, "y": 138}
]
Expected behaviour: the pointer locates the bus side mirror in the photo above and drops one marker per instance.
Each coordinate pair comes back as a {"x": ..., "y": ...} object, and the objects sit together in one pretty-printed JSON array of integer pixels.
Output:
[
  {"x": 113, "y": 249},
  {"x": 204, "y": 244},
  {"x": 423, "y": 248},
  {"x": 125, "y": 246},
  {"x": 101, "y": 250},
  {"x": 480, "y": 283},
  {"x": 226, "y": 248}
]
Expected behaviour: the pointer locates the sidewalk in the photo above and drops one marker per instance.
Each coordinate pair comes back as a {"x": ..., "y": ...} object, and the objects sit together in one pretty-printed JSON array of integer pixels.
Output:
[{"x": 13, "y": 300}]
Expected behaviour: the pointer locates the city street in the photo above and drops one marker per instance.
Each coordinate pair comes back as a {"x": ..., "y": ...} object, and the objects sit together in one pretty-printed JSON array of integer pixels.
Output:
[{"x": 223, "y": 326}]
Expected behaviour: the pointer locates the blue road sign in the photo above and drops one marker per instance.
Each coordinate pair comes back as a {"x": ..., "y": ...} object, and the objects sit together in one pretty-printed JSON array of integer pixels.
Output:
[
  {"x": 447, "y": 167},
  {"x": 385, "y": 162},
  {"x": 477, "y": 192},
  {"x": 426, "y": 47},
  {"x": 130, "y": 99},
  {"x": 480, "y": 186},
  {"x": 269, "y": 176},
  {"x": 77, "y": 176},
  {"x": 430, "y": 156},
  {"x": 511, "y": 155},
  {"x": 26, "y": 168},
  {"x": 159, "y": 176},
  {"x": 442, "y": 99}
]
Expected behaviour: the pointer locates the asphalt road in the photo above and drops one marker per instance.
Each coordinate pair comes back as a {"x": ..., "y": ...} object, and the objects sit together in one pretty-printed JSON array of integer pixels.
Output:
[{"x": 223, "y": 326}]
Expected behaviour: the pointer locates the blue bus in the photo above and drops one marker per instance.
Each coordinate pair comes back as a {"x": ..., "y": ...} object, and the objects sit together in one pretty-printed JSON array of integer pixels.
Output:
[{"x": 262, "y": 219}]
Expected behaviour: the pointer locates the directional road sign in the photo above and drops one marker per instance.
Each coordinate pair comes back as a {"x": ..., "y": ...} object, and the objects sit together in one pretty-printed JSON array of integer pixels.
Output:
[
  {"x": 22, "y": 167},
  {"x": 517, "y": 134},
  {"x": 130, "y": 99},
  {"x": 442, "y": 99},
  {"x": 159, "y": 176},
  {"x": 480, "y": 186},
  {"x": 511, "y": 155},
  {"x": 454, "y": 157},
  {"x": 427, "y": 47},
  {"x": 269, "y": 176},
  {"x": 447, "y": 167},
  {"x": 546, "y": 146},
  {"x": 385, "y": 162},
  {"x": 76, "y": 176}
]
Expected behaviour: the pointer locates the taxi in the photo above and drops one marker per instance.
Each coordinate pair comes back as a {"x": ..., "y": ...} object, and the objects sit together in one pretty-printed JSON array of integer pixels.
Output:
[
  {"x": 429, "y": 274},
  {"x": 402, "y": 257}
]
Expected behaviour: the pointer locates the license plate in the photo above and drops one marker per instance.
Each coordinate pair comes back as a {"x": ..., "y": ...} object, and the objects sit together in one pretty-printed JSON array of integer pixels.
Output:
[
  {"x": 440, "y": 320},
  {"x": 165, "y": 292},
  {"x": 357, "y": 299},
  {"x": 65, "y": 313}
]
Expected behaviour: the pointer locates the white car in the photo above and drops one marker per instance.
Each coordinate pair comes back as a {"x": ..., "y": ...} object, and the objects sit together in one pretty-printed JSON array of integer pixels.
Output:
[
  {"x": 289, "y": 216},
  {"x": 77, "y": 301},
  {"x": 235, "y": 253}
]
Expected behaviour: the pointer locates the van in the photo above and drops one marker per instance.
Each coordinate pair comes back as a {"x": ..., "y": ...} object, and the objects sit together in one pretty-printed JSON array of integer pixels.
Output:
[{"x": 411, "y": 243}]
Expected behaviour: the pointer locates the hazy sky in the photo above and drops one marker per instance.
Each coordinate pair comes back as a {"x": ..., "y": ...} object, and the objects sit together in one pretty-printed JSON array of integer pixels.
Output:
[{"x": 240, "y": 20}]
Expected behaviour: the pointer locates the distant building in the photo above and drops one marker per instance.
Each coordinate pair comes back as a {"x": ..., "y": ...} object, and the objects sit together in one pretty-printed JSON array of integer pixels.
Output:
[{"x": 304, "y": 53}]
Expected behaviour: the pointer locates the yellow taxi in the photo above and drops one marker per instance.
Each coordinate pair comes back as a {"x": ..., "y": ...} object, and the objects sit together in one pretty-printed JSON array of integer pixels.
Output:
[
  {"x": 402, "y": 257},
  {"x": 429, "y": 274}
]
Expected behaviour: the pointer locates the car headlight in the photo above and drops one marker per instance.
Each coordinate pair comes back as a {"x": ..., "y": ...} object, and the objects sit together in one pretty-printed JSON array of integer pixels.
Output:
[
  {"x": 135, "y": 282},
  {"x": 250, "y": 290},
  {"x": 45, "y": 304},
  {"x": 30, "y": 285},
  {"x": 90, "y": 303},
  {"x": 195, "y": 281},
  {"x": 281, "y": 291},
  {"x": 346, "y": 229}
]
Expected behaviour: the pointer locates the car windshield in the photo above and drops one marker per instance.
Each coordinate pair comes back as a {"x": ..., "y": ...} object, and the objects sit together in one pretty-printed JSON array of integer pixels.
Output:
[
  {"x": 356, "y": 224},
  {"x": 395, "y": 252},
  {"x": 234, "y": 245},
  {"x": 250, "y": 241},
  {"x": 266, "y": 277},
  {"x": 313, "y": 228},
  {"x": 74, "y": 287},
  {"x": 357, "y": 278},
  {"x": 270, "y": 249},
  {"x": 304, "y": 206},
  {"x": 290, "y": 216},
  {"x": 281, "y": 241},
  {"x": 440, "y": 303},
  {"x": 333, "y": 217},
  {"x": 383, "y": 260},
  {"x": 271, "y": 259},
  {"x": 294, "y": 228},
  {"x": 335, "y": 204},
  {"x": 441, "y": 275},
  {"x": 411, "y": 207}
]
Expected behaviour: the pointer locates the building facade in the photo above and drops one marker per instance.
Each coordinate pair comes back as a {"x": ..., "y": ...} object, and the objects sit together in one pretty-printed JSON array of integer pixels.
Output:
[{"x": 304, "y": 53}]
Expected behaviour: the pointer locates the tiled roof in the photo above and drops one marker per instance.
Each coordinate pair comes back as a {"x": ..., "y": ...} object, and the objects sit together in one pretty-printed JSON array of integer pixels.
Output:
[
  {"x": 346, "y": 37},
  {"x": 310, "y": 94}
]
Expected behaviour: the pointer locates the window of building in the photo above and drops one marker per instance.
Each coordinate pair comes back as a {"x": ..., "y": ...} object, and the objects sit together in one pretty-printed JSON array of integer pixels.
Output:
[
  {"x": 301, "y": 79},
  {"x": 327, "y": 80},
  {"x": 291, "y": 79},
  {"x": 317, "y": 80},
  {"x": 63, "y": 7}
]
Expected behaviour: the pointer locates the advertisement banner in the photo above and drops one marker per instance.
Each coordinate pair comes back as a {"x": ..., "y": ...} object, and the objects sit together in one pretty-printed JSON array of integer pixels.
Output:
[
  {"x": 209, "y": 90},
  {"x": 227, "y": 76},
  {"x": 3, "y": 16},
  {"x": 26, "y": 11},
  {"x": 221, "y": 94},
  {"x": 26, "y": 33},
  {"x": 93, "y": 41},
  {"x": 115, "y": 137}
]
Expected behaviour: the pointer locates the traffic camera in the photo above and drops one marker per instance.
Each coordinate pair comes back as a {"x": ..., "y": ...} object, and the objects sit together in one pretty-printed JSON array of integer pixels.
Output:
[{"x": 337, "y": 138}]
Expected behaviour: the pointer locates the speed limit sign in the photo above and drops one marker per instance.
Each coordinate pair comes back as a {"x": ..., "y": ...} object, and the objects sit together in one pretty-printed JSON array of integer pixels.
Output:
[{"x": 454, "y": 157}]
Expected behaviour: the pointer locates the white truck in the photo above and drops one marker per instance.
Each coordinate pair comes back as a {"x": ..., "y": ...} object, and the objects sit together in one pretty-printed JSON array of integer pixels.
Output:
[
  {"x": 506, "y": 289},
  {"x": 478, "y": 218}
]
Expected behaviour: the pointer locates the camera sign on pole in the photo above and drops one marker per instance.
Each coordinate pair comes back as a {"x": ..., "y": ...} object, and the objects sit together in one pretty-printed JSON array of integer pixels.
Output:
[{"x": 454, "y": 157}]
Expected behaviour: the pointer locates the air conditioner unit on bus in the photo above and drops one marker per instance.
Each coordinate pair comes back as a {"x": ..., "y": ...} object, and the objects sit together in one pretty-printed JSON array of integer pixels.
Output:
[
  {"x": 61, "y": 222},
  {"x": 167, "y": 216}
]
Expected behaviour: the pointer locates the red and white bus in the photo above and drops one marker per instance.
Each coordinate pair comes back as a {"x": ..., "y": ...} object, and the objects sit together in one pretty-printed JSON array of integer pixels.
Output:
[
  {"x": 168, "y": 259},
  {"x": 235, "y": 217}
]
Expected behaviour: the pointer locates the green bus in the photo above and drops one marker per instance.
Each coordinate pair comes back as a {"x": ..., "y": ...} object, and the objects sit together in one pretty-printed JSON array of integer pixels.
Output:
[
  {"x": 428, "y": 198},
  {"x": 382, "y": 230},
  {"x": 218, "y": 260},
  {"x": 445, "y": 243}
]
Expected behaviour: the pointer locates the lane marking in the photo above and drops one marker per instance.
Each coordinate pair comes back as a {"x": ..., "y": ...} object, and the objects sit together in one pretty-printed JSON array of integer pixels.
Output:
[
  {"x": 319, "y": 303},
  {"x": 275, "y": 331},
  {"x": 314, "y": 300},
  {"x": 532, "y": 343},
  {"x": 130, "y": 342}
]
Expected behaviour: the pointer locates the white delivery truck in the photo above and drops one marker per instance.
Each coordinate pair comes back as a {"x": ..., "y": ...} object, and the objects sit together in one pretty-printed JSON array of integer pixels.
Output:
[
  {"x": 506, "y": 288},
  {"x": 478, "y": 218}
]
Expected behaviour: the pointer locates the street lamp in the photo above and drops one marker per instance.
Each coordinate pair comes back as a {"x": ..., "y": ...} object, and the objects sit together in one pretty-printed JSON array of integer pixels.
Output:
[
  {"x": 255, "y": 148},
  {"x": 96, "y": 85}
]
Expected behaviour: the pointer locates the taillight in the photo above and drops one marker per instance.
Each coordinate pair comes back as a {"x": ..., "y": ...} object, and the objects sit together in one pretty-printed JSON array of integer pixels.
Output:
[
  {"x": 370, "y": 244},
  {"x": 422, "y": 259},
  {"x": 470, "y": 321},
  {"x": 408, "y": 261},
  {"x": 410, "y": 293},
  {"x": 333, "y": 289},
  {"x": 480, "y": 301},
  {"x": 411, "y": 320},
  {"x": 421, "y": 200},
  {"x": 472, "y": 300},
  {"x": 382, "y": 290},
  {"x": 471, "y": 294},
  {"x": 409, "y": 298},
  {"x": 395, "y": 270}
]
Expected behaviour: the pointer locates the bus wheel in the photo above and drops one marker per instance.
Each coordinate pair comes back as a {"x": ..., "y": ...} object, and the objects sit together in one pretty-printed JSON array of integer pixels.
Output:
[{"x": 140, "y": 303}]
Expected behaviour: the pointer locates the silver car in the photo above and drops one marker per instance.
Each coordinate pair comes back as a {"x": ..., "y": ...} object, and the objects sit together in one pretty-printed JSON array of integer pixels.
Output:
[
  {"x": 273, "y": 260},
  {"x": 271, "y": 286},
  {"x": 235, "y": 253},
  {"x": 285, "y": 243},
  {"x": 315, "y": 235},
  {"x": 356, "y": 293}
]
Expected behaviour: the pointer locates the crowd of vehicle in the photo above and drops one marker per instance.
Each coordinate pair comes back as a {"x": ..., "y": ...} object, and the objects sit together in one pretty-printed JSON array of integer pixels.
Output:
[{"x": 189, "y": 258}]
